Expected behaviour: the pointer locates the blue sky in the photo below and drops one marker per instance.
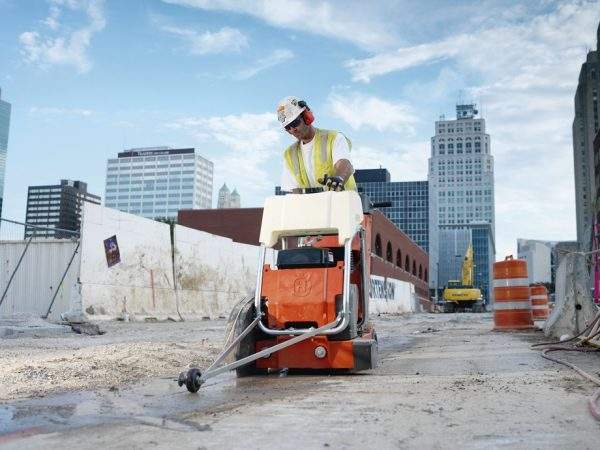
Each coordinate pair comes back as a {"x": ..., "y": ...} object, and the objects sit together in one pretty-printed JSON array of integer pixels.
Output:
[{"x": 88, "y": 78}]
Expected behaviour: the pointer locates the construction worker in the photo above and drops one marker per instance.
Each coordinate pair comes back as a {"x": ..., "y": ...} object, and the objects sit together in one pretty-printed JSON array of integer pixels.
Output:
[{"x": 318, "y": 158}]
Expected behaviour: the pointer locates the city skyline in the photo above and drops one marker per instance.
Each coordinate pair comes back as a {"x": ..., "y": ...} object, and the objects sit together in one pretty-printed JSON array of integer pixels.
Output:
[{"x": 382, "y": 87}]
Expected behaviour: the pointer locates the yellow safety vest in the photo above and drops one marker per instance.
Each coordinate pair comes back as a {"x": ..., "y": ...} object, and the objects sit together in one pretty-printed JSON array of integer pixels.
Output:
[{"x": 322, "y": 159}]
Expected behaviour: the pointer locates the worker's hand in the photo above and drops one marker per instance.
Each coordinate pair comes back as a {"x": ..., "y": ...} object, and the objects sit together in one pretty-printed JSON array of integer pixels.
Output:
[{"x": 332, "y": 183}]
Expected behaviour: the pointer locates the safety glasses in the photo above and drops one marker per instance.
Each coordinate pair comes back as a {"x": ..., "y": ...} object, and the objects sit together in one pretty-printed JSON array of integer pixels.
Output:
[{"x": 294, "y": 123}]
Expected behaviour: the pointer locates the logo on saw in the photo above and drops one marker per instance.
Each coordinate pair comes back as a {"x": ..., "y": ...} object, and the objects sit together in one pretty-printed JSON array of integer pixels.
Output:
[{"x": 302, "y": 285}]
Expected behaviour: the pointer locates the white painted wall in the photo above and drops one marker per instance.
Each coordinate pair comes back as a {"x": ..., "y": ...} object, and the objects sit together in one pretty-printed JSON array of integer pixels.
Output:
[
  {"x": 389, "y": 295},
  {"x": 38, "y": 276},
  {"x": 204, "y": 277},
  {"x": 212, "y": 272},
  {"x": 142, "y": 283}
]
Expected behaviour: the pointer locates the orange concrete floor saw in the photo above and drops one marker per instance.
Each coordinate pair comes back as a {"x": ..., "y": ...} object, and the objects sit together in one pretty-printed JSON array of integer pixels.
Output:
[{"x": 310, "y": 309}]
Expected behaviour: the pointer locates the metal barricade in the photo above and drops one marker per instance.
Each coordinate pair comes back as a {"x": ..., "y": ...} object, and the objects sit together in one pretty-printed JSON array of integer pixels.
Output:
[{"x": 34, "y": 263}]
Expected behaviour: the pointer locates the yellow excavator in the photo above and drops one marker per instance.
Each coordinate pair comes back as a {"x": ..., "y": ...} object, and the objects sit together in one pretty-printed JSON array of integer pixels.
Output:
[{"x": 461, "y": 294}]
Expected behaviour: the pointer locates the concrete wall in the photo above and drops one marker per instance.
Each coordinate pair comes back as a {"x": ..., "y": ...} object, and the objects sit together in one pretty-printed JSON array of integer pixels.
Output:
[
  {"x": 38, "y": 276},
  {"x": 200, "y": 275},
  {"x": 142, "y": 283},
  {"x": 212, "y": 273},
  {"x": 189, "y": 275},
  {"x": 389, "y": 295}
]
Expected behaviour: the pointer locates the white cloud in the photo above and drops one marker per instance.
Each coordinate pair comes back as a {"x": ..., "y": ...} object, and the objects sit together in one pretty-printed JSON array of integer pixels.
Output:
[
  {"x": 52, "y": 111},
  {"x": 527, "y": 72},
  {"x": 365, "y": 111},
  {"x": 251, "y": 141},
  {"x": 225, "y": 40},
  {"x": 67, "y": 48},
  {"x": 531, "y": 47},
  {"x": 405, "y": 58},
  {"x": 358, "y": 23},
  {"x": 52, "y": 20},
  {"x": 275, "y": 58},
  {"x": 404, "y": 161}
]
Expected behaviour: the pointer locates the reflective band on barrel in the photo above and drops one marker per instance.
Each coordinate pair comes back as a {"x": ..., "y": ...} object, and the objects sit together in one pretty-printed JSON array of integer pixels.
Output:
[
  {"x": 498, "y": 306},
  {"x": 539, "y": 306},
  {"x": 503, "y": 282},
  {"x": 539, "y": 297}
]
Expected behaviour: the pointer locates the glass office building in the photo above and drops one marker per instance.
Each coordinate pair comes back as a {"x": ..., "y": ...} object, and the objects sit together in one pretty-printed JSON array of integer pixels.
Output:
[
  {"x": 4, "y": 126},
  {"x": 410, "y": 202},
  {"x": 453, "y": 243},
  {"x": 157, "y": 182}
]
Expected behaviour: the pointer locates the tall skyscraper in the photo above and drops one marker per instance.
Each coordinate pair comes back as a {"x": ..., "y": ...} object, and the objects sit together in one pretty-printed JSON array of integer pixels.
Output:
[
  {"x": 461, "y": 197},
  {"x": 410, "y": 202},
  {"x": 56, "y": 208},
  {"x": 4, "y": 126},
  {"x": 159, "y": 181},
  {"x": 585, "y": 127}
]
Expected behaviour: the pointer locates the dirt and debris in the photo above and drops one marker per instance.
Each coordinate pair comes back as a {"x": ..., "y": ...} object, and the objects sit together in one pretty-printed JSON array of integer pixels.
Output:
[
  {"x": 426, "y": 330},
  {"x": 91, "y": 329},
  {"x": 126, "y": 352}
]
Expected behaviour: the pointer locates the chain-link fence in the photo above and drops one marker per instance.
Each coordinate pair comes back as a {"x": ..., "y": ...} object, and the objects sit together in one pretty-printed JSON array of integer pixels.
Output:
[{"x": 39, "y": 267}]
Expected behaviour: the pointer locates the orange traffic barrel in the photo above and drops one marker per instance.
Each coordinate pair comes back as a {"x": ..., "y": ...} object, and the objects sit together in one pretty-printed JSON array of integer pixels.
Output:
[
  {"x": 539, "y": 301},
  {"x": 512, "y": 302}
]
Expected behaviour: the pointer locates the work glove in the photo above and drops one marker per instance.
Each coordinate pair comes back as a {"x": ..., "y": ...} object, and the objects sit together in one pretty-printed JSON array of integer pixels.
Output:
[{"x": 332, "y": 183}]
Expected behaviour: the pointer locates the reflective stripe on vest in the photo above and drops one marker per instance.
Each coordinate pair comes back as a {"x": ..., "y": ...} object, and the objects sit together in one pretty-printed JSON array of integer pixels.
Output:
[
  {"x": 322, "y": 159},
  {"x": 504, "y": 282},
  {"x": 539, "y": 297}
]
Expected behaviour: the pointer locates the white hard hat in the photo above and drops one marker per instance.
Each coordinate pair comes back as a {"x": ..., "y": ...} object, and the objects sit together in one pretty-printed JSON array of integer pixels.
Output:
[{"x": 288, "y": 109}]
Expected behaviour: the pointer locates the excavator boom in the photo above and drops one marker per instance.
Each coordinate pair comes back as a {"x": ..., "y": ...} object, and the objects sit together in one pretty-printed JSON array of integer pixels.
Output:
[{"x": 467, "y": 268}]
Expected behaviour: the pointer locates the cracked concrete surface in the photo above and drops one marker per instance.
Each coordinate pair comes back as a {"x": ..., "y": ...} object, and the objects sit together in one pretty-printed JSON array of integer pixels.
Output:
[{"x": 446, "y": 381}]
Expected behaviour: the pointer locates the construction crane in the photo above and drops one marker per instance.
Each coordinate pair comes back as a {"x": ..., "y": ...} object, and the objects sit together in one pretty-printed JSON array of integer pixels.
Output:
[{"x": 461, "y": 294}]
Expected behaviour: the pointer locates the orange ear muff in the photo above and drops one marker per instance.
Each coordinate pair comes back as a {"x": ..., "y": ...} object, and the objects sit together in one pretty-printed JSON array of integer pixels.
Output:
[{"x": 308, "y": 116}]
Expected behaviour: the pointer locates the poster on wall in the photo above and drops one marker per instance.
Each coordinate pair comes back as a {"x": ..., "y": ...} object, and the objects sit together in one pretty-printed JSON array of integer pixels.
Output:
[{"x": 111, "y": 249}]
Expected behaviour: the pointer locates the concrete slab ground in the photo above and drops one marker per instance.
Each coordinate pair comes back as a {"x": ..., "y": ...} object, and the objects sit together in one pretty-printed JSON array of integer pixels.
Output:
[
  {"x": 446, "y": 381},
  {"x": 26, "y": 326}
]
